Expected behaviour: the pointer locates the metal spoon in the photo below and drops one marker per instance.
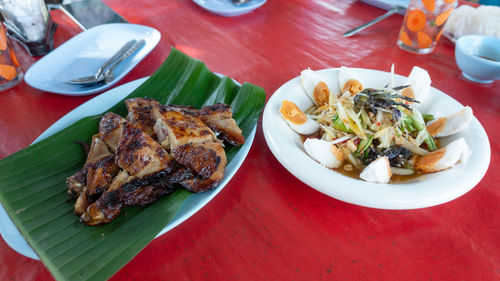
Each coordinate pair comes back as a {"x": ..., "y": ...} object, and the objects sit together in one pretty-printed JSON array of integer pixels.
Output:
[
  {"x": 99, "y": 75},
  {"x": 239, "y": 2},
  {"x": 109, "y": 74},
  {"x": 392, "y": 11}
]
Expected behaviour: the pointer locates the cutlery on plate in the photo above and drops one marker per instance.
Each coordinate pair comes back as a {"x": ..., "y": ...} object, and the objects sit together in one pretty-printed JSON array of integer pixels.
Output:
[
  {"x": 109, "y": 74},
  {"x": 393, "y": 10},
  {"x": 99, "y": 75}
]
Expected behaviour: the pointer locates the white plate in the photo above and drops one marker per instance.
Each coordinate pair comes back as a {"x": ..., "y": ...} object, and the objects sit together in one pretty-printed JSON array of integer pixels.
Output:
[
  {"x": 83, "y": 54},
  {"x": 227, "y": 9},
  {"x": 427, "y": 190},
  {"x": 97, "y": 105}
]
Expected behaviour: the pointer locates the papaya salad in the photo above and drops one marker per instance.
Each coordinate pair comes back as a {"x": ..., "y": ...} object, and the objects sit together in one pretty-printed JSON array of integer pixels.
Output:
[{"x": 374, "y": 133}]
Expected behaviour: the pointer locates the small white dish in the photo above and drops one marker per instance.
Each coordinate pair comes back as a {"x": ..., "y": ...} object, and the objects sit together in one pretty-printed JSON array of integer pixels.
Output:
[
  {"x": 83, "y": 54},
  {"x": 424, "y": 191},
  {"x": 478, "y": 56},
  {"x": 227, "y": 9},
  {"x": 97, "y": 105}
]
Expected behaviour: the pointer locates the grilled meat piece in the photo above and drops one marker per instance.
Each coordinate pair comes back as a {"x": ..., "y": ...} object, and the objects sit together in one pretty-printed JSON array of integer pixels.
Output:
[
  {"x": 139, "y": 154},
  {"x": 219, "y": 118},
  {"x": 157, "y": 149},
  {"x": 144, "y": 177},
  {"x": 178, "y": 127},
  {"x": 101, "y": 168},
  {"x": 140, "y": 114},
  {"x": 95, "y": 176},
  {"x": 100, "y": 174},
  {"x": 205, "y": 159},
  {"x": 76, "y": 183},
  {"x": 127, "y": 191},
  {"x": 208, "y": 161},
  {"x": 193, "y": 145},
  {"x": 110, "y": 129},
  {"x": 99, "y": 213}
]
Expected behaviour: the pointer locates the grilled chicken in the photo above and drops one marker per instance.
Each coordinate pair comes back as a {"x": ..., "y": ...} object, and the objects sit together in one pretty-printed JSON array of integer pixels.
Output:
[
  {"x": 193, "y": 145},
  {"x": 97, "y": 173},
  {"x": 219, "y": 118},
  {"x": 180, "y": 127},
  {"x": 158, "y": 148},
  {"x": 145, "y": 168},
  {"x": 140, "y": 114},
  {"x": 207, "y": 160},
  {"x": 110, "y": 129}
]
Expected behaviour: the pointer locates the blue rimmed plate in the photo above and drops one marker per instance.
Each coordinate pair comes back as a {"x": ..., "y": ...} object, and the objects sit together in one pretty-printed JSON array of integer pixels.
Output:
[{"x": 83, "y": 54}]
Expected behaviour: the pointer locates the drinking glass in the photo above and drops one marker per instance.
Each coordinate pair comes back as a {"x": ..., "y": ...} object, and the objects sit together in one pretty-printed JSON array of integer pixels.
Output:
[
  {"x": 423, "y": 24},
  {"x": 29, "y": 22},
  {"x": 10, "y": 71}
]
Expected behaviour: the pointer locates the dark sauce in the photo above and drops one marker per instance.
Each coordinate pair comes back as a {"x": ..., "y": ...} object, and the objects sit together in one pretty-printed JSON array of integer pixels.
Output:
[
  {"x": 394, "y": 179},
  {"x": 355, "y": 172}
]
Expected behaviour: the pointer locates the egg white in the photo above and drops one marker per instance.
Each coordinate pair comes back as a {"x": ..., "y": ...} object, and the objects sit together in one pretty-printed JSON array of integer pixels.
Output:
[
  {"x": 456, "y": 152},
  {"x": 378, "y": 171},
  {"x": 454, "y": 123},
  {"x": 345, "y": 74},
  {"x": 323, "y": 152},
  {"x": 420, "y": 82}
]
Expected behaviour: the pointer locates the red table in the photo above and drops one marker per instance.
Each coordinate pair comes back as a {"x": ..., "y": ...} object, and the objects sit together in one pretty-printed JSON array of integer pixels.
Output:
[{"x": 266, "y": 224}]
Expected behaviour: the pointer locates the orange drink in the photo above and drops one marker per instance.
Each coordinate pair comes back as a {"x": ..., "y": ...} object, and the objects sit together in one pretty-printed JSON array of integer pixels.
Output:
[
  {"x": 10, "y": 71},
  {"x": 423, "y": 24}
]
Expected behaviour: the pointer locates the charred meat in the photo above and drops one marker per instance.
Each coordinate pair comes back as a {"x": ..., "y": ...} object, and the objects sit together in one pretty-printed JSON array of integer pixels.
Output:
[{"x": 158, "y": 148}]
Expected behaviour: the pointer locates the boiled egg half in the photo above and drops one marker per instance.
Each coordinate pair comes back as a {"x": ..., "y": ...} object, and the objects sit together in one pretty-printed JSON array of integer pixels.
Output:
[
  {"x": 378, "y": 171},
  {"x": 349, "y": 81},
  {"x": 315, "y": 89},
  {"x": 324, "y": 152},
  {"x": 420, "y": 84},
  {"x": 297, "y": 119},
  {"x": 444, "y": 158}
]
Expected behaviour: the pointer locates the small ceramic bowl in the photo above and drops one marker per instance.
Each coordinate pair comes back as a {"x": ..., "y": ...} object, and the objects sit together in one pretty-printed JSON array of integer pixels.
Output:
[{"x": 478, "y": 57}]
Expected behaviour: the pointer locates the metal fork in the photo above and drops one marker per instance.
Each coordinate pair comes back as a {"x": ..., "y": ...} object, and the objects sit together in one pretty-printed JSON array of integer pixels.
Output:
[
  {"x": 99, "y": 75},
  {"x": 109, "y": 74}
]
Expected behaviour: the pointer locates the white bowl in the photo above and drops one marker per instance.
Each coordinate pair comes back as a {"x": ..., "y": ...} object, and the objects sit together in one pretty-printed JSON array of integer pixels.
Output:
[{"x": 478, "y": 56}]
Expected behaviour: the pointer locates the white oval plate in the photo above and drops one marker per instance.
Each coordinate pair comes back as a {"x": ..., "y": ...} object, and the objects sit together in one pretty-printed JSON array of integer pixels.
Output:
[
  {"x": 427, "y": 190},
  {"x": 227, "y": 9},
  {"x": 97, "y": 105},
  {"x": 83, "y": 54}
]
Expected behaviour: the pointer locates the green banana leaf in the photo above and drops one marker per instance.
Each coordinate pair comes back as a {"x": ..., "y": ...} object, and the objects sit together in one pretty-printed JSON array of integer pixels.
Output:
[{"x": 34, "y": 194}]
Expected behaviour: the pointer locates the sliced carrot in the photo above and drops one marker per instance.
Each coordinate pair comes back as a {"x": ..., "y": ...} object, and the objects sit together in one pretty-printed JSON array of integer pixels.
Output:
[
  {"x": 405, "y": 38},
  {"x": 3, "y": 39},
  {"x": 8, "y": 71},
  {"x": 424, "y": 40},
  {"x": 415, "y": 20},
  {"x": 441, "y": 18},
  {"x": 449, "y": 1},
  {"x": 429, "y": 5},
  {"x": 439, "y": 35},
  {"x": 13, "y": 57}
]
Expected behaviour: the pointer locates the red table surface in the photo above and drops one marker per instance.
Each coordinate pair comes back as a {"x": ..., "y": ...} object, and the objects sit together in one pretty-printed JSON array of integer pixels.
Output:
[{"x": 265, "y": 224}]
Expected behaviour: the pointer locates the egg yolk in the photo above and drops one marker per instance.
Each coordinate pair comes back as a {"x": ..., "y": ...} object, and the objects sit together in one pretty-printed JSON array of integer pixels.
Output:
[
  {"x": 321, "y": 93},
  {"x": 437, "y": 126},
  {"x": 353, "y": 86},
  {"x": 292, "y": 113},
  {"x": 408, "y": 92}
]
